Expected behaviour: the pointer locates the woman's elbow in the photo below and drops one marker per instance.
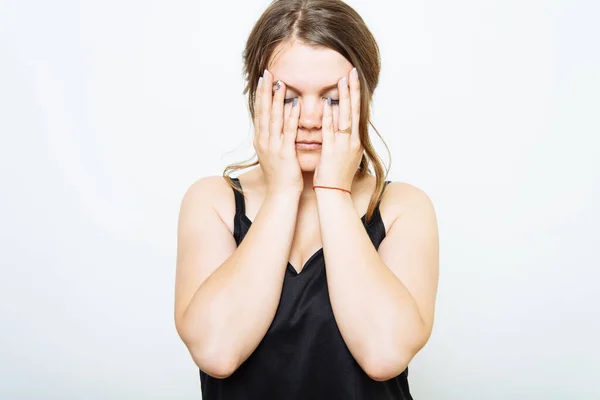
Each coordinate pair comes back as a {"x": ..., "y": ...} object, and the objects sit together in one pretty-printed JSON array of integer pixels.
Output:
[{"x": 213, "y": 363}]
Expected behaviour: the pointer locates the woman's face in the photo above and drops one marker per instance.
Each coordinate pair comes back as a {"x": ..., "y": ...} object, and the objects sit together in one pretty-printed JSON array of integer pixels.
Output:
[{"x": 311, "y": 74}]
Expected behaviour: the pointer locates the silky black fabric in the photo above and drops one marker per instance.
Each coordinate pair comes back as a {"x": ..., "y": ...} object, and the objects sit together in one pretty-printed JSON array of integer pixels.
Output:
[{"x": 303, "y": 355}]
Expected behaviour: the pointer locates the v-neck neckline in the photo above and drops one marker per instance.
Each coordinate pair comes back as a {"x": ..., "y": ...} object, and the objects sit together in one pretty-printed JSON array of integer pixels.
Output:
[{"x": 310, "y": 259}]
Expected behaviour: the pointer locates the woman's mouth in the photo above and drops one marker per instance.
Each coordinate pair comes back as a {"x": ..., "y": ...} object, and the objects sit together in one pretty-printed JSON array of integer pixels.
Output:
[{"x": 308, "y": 146}]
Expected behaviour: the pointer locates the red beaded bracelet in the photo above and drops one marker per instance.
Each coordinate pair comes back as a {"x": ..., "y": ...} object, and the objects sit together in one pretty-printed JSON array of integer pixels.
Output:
[{"x": 331, "y": 187}]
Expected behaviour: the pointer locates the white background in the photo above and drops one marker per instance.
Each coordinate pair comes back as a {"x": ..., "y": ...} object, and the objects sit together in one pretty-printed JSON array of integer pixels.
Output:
[{"x": 109, "y": 110}]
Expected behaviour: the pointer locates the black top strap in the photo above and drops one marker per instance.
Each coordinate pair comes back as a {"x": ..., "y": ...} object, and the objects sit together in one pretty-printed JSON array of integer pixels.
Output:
[
  {"x": 240, "y": 211},
  {"x": 240, "y": 204},
  {"x": 383, "y": 191}
]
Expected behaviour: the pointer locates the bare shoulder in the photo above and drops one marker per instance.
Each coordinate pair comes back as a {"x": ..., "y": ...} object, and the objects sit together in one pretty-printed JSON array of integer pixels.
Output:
[
  {"x": 402, "y": 197},
  {"x": 211, "y": 191},
  {"x": 204, "y": 241}
]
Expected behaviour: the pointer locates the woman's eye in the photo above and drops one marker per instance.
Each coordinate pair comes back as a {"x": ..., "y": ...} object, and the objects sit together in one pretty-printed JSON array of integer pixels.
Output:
[{"x": 333, "y": 101}]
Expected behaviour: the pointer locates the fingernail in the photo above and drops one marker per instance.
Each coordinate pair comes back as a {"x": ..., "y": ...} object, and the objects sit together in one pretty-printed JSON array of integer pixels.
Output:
[
  {"x": 277, "y": 85},
  {"x": 294, "y": 102},
  {"x": 329, "y": 101},
  {"x": 265, "y": 72},
  {"x": 354, "y": 73},
  {"x": 344, "y": 81},
  {"x": 260, "y": 82}
]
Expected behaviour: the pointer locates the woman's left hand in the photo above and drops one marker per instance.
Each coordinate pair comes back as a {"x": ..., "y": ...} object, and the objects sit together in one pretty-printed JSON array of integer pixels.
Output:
[{"x": 341, "y": 152}]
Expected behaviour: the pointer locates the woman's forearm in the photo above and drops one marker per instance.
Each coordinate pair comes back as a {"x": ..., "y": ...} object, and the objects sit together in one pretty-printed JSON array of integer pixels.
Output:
[{"x": 233, "y": 308}]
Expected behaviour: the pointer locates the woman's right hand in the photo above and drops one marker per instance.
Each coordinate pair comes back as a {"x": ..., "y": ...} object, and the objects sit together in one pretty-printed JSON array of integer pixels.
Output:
[{"x": 275, "y": 140}]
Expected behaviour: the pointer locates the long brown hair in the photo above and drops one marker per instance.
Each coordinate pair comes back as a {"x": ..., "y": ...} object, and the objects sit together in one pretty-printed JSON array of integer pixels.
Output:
[{"x": 326, "y": 23}]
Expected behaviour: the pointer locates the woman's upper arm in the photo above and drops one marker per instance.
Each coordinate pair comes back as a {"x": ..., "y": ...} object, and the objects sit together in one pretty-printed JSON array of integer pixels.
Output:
[{"x": 204, "y": 241}]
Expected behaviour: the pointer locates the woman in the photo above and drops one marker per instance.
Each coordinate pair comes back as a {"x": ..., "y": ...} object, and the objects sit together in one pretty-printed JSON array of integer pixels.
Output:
[{"x": 282, "y": 290}]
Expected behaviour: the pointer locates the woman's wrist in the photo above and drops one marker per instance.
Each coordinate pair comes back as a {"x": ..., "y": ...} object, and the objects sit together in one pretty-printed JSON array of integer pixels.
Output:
[{"x": 332, "y": 188}]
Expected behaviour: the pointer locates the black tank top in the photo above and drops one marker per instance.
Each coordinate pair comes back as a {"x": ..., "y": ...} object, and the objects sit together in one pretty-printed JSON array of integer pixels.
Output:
[{"x": 303, "y": 355}]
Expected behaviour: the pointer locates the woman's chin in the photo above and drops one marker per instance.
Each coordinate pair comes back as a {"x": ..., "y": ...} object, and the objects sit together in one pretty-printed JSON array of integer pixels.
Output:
[{"x": 308, "y": 163}]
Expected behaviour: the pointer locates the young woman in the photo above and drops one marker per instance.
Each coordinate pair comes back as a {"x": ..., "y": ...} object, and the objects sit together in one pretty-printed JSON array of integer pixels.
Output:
[{"x": 307, "y": 277}]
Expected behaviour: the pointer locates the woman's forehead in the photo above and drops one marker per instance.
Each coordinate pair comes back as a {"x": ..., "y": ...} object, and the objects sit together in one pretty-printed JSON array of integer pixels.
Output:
[{"x": 308, "y": 68}]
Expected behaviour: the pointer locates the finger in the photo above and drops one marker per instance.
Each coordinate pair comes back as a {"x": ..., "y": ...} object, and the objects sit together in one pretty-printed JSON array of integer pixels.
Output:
[
  {"x": 257, "y": 109},
  {"x": 290, "y": 130},
  {"x": 355, "y": 102},
  {"x": 345, "y": 108},
  {"x": 276, "y": 123},
  {"x": 327, "y": 124},
  {"x": 266, "y": 99}
]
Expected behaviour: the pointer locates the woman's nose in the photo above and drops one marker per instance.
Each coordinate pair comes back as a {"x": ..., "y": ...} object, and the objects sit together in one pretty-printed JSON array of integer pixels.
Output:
[{"x": 311, "y": 113}]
